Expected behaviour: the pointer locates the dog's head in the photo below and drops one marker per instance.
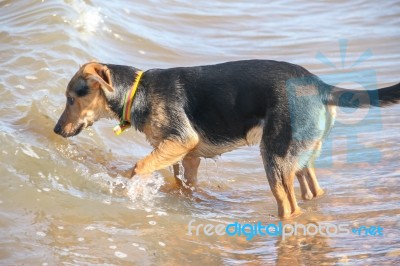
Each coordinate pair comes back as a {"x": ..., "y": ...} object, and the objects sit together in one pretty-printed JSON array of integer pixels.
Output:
[{"x": 86, "y": 99}]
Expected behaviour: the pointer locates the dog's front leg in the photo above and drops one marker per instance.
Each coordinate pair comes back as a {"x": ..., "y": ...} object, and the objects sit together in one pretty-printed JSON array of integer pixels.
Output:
[
  {"x": 190, "y": 168},
  {"x": 167, "y": 153}
]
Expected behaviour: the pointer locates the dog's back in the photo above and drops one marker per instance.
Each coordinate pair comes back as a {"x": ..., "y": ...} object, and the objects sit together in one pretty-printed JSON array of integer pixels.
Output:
[{"x": 226, "y": 101}]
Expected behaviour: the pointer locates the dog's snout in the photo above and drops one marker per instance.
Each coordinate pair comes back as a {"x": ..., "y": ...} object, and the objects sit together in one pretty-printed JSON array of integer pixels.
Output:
[{"x": 57, "y": 129}]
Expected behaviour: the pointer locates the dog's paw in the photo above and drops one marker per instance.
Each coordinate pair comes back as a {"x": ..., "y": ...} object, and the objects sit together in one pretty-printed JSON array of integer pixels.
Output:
[
  {"x": 125, "y": 173},
  {"x": 133, "y": 172}
]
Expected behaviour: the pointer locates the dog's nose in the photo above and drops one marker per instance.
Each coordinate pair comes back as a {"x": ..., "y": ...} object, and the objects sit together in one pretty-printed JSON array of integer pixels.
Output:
[{"x": 57, "y": 129}]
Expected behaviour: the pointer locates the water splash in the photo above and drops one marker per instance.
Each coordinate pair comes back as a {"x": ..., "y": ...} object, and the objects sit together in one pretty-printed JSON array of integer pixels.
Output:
[
  {"x": 89, "y": 18},
  {"x": 144, "y": 189},
  {"x": 213, "y": 167},
  {"x": 181, "y": 176},
  {"x": 140, "y": 191}
]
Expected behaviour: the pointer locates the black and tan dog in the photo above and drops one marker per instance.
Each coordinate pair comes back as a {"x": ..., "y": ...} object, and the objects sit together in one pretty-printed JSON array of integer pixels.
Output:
[{"x": 192, "y": 112}]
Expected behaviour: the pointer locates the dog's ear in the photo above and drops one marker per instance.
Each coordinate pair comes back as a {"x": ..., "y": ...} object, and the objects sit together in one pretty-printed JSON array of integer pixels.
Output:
[{"x": 99, "y": 73}]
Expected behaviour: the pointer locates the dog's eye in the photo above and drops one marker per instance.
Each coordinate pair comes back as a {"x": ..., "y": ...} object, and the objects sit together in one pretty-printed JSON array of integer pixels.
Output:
[{"x": 70, "y": 100}]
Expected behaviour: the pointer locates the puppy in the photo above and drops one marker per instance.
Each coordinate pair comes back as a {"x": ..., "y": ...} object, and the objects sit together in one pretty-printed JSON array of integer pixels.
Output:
[{"x": 192, "y": 112}]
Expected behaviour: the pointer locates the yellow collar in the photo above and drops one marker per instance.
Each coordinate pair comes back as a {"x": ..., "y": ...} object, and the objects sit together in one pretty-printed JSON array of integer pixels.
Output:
[{"x": 126, "y": 111}]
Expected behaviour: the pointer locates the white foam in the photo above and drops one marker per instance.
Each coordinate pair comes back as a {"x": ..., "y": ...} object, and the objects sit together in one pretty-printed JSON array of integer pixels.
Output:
[
  {"x": 120, "y": 254},
  {"x": 89, "y": 18},
  {"x": 107, "y": 201},
  {"x": 117, "y": 36},
  {"x": 144, "y": 188},
  {"x": 90, "y": 228},
  {"x": 28, "y": 151},
  {"x": 39, "y": 233},
  {"x": 141, "y": 191}
]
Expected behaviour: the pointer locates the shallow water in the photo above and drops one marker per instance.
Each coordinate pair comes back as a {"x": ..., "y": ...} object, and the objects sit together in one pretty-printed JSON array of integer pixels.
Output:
[{"x": 63, "y": 201}]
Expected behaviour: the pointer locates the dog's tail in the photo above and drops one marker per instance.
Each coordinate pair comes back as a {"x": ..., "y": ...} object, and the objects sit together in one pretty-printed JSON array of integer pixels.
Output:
[{"x": 364, "y": 98}]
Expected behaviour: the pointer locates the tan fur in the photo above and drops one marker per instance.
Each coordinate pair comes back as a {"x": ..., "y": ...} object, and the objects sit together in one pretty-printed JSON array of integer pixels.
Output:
[
  {"x": 208, "y": 150},
  {"x": 88, "y": 109},
  {"x": 306, "y": 193},
  {"x": 253, "y": 136},
  {"x": 151, "y": 136},
  {"x": 190, "y": 166},
  {"x": 313, "y": 182},
  {"x": 167, "y": 153},
  {"x": 332, "y": 112},
  {"x": 98, "y": 72},
  {"x": 285, "y": 197}
]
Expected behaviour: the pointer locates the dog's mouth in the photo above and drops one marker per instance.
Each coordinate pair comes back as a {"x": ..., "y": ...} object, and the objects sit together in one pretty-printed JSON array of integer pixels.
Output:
[
  {"x": 70, "y": 133},
  {"x": 79, "y": 129},
  {"x": 67, "y": 134}
]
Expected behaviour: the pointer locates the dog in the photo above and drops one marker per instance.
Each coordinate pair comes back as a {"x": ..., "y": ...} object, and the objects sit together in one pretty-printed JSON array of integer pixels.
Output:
[{"x": 191, "y": 112}]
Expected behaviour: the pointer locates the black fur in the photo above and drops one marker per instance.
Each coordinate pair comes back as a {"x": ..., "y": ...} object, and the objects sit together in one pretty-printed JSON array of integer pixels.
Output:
[
  {"x": 224, "y": 101},
  {"x": 222, "y": 104},
  {"x": 378, "y": 98},
  {"x": 81, "y": 89}
]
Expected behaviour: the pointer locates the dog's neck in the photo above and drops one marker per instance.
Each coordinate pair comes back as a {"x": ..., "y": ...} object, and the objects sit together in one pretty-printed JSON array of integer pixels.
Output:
[{"x": 123, "y": 79}]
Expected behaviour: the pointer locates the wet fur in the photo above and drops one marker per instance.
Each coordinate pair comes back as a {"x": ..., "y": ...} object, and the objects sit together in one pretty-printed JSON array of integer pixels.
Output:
[{"x": 192, "y": 112}]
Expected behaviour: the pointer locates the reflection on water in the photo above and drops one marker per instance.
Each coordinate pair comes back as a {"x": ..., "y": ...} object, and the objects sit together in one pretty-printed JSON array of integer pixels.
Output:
[{"x": 67, "y": 202}]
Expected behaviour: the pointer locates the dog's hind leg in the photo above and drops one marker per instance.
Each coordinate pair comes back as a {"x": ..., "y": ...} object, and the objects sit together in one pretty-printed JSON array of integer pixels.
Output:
[
  {"x": 281, "y": 172},
  {"x": 288, "y": 151},
  {"x": 190, "y": 168},
  {"x": 306, "y": 193},
  {"x": 312, "y": 181},
  {"x": 309, "y": 185},
  {"x": 309, "y": 173},
  {"x": 281, "y": 183}
]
